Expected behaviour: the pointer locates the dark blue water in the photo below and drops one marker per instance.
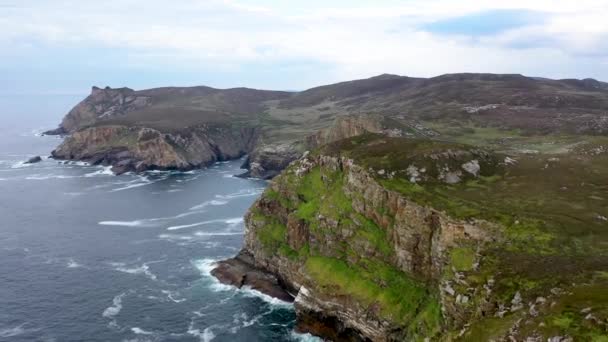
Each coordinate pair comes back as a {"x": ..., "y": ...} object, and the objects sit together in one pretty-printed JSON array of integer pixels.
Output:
[{"x": 89, "y": 256}]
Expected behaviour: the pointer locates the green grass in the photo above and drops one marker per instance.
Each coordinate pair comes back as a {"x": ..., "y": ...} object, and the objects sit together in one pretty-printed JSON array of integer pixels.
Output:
[
  {"x": 462, "y": 258},
  {"x": 369, "y": 231},
  {"x": 399, "y": 297}
]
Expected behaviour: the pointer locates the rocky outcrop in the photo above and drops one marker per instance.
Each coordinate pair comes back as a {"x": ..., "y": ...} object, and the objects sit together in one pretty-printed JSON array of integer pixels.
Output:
[
  {"x": 374, "y": 249},
  {"x": 267, "y": 161},
  {"x": 241, "y": 271},
  {"x": 365, "y": 226},
  {"x": 101, "y": 104},
  {"x": 345, "y": 127},
  {"x": 139, "y": 149},
  {"x": 34, "y": 160}
]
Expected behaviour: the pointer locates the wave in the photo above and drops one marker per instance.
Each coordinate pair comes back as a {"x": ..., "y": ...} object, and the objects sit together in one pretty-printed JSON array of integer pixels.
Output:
[
  {"x": 139, "y": 182},
  {"x": 218, "y": 233},
  {"x": 105, "y": 171},
  {"x": 205, "y": 266},
  {"x": 136, "y": 223},
  {"x": 140, "y": 331},
  {"x": 143, "y": 269},
  {"x": 231, "y": 222},
  {"x": 275, "y": 302},
  {"x": 11, "y": 332},
  {"x": 20, "y": 165},
  {"x": 115, "y": 308},
  {"x": 205, "y": 336},
  {"x": 208, "y": 203},
  {"x": 76, "y": 163},
  {"x": 149, "y": 222},
  {"x": 50, "y": 176},
  {"x": 304, "y": 337},
  {"x": 73, "y": 264},
  {"x": 242, "y": 193},
  {"x": 170, "y": 294},
  {"x": 171, "y": 237}
]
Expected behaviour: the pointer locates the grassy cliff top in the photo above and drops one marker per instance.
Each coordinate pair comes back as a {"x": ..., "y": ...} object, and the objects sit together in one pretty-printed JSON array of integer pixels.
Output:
[{"x": 559, "y": 203}]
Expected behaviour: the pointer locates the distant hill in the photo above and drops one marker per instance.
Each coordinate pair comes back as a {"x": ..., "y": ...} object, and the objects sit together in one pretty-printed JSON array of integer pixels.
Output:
[{"x": 490, "y": 109}]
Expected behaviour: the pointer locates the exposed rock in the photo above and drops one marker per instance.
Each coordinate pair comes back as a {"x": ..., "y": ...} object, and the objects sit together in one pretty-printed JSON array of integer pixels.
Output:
[
  {"x": 34, "y": 160},
  {"x": 139, "y": 149},
  {"x": 240, "y": 271},
  {"x": 266, "y": 162},
  {"x": 472, "y": 167},
  {"x": 346, "y": 127},
  {"x": 418, "y": 238}
]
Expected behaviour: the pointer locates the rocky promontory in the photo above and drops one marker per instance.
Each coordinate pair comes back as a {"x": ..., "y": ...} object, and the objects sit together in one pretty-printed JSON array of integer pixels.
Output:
[
  {"x": 188, "y": 127},
  {"x": 139, "y": 149},
  {"x": 397, "y": 239}
]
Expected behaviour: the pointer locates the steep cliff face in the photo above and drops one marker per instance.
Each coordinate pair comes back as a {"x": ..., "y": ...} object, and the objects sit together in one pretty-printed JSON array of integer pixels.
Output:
[
  {"x": 352, "y": 234},
  {"x": 139, "y": 149}
]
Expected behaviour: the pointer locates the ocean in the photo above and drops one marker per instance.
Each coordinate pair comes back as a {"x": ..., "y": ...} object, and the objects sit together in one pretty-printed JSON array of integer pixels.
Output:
[{"x": 89, "y": 256}]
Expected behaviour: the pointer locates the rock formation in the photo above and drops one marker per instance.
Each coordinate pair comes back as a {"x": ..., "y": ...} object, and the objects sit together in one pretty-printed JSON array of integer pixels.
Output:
[
  {"x": 451, "y": 107},
  {"x": 370, "y": 250}
]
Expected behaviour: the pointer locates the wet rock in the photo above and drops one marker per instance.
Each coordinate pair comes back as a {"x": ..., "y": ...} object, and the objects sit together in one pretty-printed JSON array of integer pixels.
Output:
[
  {"x": 34, "y": 160},
  {"x": 240, "y": 271}
]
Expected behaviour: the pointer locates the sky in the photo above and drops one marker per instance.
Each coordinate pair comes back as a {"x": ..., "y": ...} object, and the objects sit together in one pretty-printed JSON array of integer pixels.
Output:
[{"x": 67, "y": 46}]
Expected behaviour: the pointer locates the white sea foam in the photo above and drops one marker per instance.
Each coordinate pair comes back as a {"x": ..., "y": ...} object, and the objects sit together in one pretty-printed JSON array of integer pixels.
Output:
[
  {"x": 114, "y": 310},
  {"x": 140, "y": 331},
  {"x": 304, "y": 337},
  {"x": 73, "y": 264},
  {"x": 205, "y": 336},
  {"x": 172, "y": 237},
  {"x": 131, "y": 186},
  {"x": 77, "y": 163},
  {"x": 218, "y": 233},
  {"x": 139, "y": 182},
  {"x": 21, "y": 164},
  {"x": 208, "y": 203},
  {"x": 49, "y": 176},
  {"x": 136, "y": 223},
  {"x": 171, "y": 297},
  {"x": 11, "y": 332},
  {"x": 205, "y": 266},
  {"x": 231, "y": 222},
  {"x": 149, "y": 222},
  {"x": 105, "y": 171},
  {"x": 275, "y": 302},
  {"x": 143, "y": 269},
  {"x": 242, "y": 193}
]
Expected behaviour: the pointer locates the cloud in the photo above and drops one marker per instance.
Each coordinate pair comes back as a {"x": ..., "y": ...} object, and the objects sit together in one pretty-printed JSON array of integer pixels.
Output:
[
  {"x": 485, "y": 23},
  {"x": 221, "y": 40}
]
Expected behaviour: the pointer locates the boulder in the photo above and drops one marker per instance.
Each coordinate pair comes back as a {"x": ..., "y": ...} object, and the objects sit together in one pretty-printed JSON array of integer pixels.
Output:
[{"x": 34, "y": 160}]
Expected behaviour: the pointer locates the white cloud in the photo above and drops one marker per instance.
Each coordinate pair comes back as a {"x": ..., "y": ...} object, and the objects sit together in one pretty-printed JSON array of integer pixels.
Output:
[{"x": 357, "y": 39}]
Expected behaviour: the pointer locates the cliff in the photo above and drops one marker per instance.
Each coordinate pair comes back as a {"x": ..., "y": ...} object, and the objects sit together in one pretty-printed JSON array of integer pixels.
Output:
[
  {"x": 510, "y": 112},
  {"x": 393, "y": 239},
  {"x": 139, "y": 149}
]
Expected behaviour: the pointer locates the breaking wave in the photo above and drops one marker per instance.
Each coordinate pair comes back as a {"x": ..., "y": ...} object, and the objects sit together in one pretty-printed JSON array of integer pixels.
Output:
[
  {"x": 231, "y": 222},
  {"x": 208, "y": 203},
  {"x": 115, "y": 308}
]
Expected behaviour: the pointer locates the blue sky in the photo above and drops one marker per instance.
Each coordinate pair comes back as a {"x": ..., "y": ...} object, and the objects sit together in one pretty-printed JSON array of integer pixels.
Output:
[{"x": 66, "y": 46}]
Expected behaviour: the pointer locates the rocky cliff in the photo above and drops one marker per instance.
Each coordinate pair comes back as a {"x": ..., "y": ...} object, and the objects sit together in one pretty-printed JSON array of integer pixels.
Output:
[
  {"x": 139, "y": 149},
  {"x": 498, "y": 110},
  {"x": 383, "y": 239}
]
